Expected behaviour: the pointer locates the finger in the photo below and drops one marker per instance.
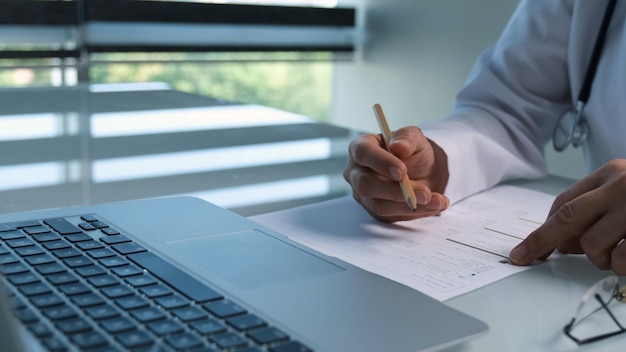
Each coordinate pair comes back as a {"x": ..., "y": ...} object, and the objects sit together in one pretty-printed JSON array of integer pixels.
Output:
[
  {"x": 384, "y": 198},
  {"x": 570, "y": 220},
  {"x": 370, "y": 184},
  {"x": 602, "y": 237},
  {"x": 618, "y": 259},
  {"x": 589, "y": 183},
  {"x": 407, "y": 141},
  {"x": 367, "y": 151}
]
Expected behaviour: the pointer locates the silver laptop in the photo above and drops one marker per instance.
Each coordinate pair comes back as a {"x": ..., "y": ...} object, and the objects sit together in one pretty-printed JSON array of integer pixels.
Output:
[{"x": 180, "y": 273}]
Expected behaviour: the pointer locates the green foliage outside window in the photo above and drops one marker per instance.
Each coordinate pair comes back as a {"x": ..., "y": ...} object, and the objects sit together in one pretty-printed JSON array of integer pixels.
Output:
[{"x": 296, "y": 82}]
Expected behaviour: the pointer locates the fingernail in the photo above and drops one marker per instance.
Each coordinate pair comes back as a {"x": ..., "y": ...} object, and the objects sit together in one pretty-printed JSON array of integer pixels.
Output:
[
  {"x": 518, "y": 254},
  {"x": 435, "y": 204},
  {"x": 420, "y": 197},
  {"x": 395, "y": 173}
]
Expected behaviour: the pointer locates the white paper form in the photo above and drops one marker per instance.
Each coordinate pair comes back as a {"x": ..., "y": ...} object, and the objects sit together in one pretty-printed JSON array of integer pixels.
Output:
[{"x": 465, "y": 248}]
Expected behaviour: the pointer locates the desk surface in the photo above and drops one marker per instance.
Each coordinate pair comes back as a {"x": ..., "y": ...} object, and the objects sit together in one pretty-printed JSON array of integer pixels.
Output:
[
  {"x": 73, "y": 146},
  {"x": 527, "y": 311},
  {"x": 84, "y": 145}
]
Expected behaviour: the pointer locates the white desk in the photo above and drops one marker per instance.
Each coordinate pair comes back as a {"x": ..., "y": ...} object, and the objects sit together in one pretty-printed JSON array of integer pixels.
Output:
[
  {"x": 527, "y": 311},
  {"x": 82, "y": 145}
]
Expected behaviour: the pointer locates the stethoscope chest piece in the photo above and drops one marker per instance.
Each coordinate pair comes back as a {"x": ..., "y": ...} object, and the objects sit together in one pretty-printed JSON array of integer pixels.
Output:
[{"x": 571, "y": 128}]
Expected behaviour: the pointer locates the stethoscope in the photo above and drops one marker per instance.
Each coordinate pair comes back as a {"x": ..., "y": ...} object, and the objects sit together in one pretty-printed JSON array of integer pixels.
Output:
[{"x": 571, "y": 127}]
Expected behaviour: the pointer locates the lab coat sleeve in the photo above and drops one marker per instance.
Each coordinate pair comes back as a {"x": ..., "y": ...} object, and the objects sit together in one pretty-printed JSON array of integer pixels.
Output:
[{"x": 503, "y": 116}]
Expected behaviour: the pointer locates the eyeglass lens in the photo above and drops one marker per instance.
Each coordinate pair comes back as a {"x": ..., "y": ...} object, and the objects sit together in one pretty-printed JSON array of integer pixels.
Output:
[{"x": 597, "y": 316}]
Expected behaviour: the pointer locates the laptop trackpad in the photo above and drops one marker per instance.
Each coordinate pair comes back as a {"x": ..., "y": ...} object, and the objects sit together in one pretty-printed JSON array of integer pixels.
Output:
[{"x": 252, "y": 259}]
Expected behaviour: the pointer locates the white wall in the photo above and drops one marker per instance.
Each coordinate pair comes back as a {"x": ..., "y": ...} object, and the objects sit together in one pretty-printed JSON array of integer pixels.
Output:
[{"x": 414, "y": 56}]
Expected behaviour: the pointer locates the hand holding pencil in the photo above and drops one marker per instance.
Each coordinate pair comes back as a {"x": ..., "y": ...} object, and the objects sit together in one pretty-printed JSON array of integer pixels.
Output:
[{"x": 391, "y": 170}]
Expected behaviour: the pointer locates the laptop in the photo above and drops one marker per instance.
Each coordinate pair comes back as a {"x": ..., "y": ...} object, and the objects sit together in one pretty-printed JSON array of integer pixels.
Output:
[{"x": 182, "y": 274}]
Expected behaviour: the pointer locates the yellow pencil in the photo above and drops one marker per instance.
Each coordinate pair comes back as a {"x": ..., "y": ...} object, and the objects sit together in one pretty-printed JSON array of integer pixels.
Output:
[{"x": 405, "y": 184}]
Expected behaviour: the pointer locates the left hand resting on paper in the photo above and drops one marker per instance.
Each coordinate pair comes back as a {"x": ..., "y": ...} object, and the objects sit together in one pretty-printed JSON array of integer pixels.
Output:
[{"x": 589, "y": 218}]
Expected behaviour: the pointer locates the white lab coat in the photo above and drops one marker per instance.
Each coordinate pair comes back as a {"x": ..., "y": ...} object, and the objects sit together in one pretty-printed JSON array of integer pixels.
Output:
[{"x": 504, "y": 116}]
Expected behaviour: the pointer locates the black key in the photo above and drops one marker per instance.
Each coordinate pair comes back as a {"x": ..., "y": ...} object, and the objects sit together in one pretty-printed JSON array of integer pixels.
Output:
[
  {"x": 249, "y": 349},
  {"x": 50, "y": 268},
  {"x": 267, "y": 335},
  {"x": 62, "y": 278},
  {"x": 23, "y": 278},
  {"x": 90, "y": 270},
  {"x": 45, "y": 237},
  {"x": 89, "y": 218},
  {"x": 57, "y": 244},
  {"x": 140, "y": 280},
  {"x": 44, "y": 301},
  {"x": 291, "y": 346},
  {"x": 147, "y": 314},
  {"x": 18, "y": 225},
  {"x": 132, "y": 302},
  {"x": 77, "y": 288},
  {"x": 11, "y": 235},
  {"x": 117, "y": 325},
  {"x": 40, "y": 329},
  {"x": 79, "y": 237},
  {"x": 36, "y": 230},
  {"x": 75, "y": 262},
  {"x": 102, "y": 312},
  {"x": 87, "y": 300},
  {"x": 99, "y": 224},
  {"x": 134, "y": 339},
  {"x": 73, "y": 326},
  {"x": 86, "y": 226},
  {"x": 90, "y": 244},
  {"x": 29, "y": 250},
  {"x": 153, "y": 291},
  {"x": 7, "y": 227},
  {"x": 20, "y": 242},
  {"x": 113, "y": 262},
  {"x": 55, "y": 344},
  {"x": 59, "y": 313},
  {"x": 127, "y": 270},
  {"x": 207, "y": 326},
  {"x": 66, "y": 253},
  {"x": 189, "y": 313},
  {"x": 115, "y": 239},
  {"x": 116, "y": 291},
  {"x": 180, "y": 280},
  {"x": 39, "y": 259},
  {"x": 183, "y": 341},
  {"x": 224, "y": 308},
  {"x": 26, "y": 316},
  {"x": 89, "y": 340},
  {"x": 35, "y": 289},
  {"x": 246, "y": 322},
  {"x": 103, "y": 280},
  {"x": 228, "y": 340},
  {"x": 128, "y": 248},
  {"x": 13, "y": 268},
  {"x": 165, "y": 327},
  {"x": 172, "y": 301},
  {"x": 8, "y": 259},
  {"x": 100, "y": 253},
  {"x": 62, "y": 226},
  {"x": 109, "y": 231}
]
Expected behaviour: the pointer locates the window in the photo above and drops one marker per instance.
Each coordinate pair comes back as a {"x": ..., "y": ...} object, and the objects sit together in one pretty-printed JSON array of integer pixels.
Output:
[{"x": 243, "y": 51}]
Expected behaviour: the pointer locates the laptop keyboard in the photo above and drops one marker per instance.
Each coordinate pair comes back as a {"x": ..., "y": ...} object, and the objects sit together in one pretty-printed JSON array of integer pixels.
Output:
[{"x": 89, "y": 287}]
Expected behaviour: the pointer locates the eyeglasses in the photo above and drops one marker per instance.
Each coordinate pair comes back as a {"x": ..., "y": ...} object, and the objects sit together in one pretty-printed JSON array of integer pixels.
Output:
[{"x": 595, "y": 317}]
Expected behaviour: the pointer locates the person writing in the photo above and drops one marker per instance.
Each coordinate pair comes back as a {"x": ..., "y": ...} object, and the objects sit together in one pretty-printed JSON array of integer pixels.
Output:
[{"x": 554, "y": 56}]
